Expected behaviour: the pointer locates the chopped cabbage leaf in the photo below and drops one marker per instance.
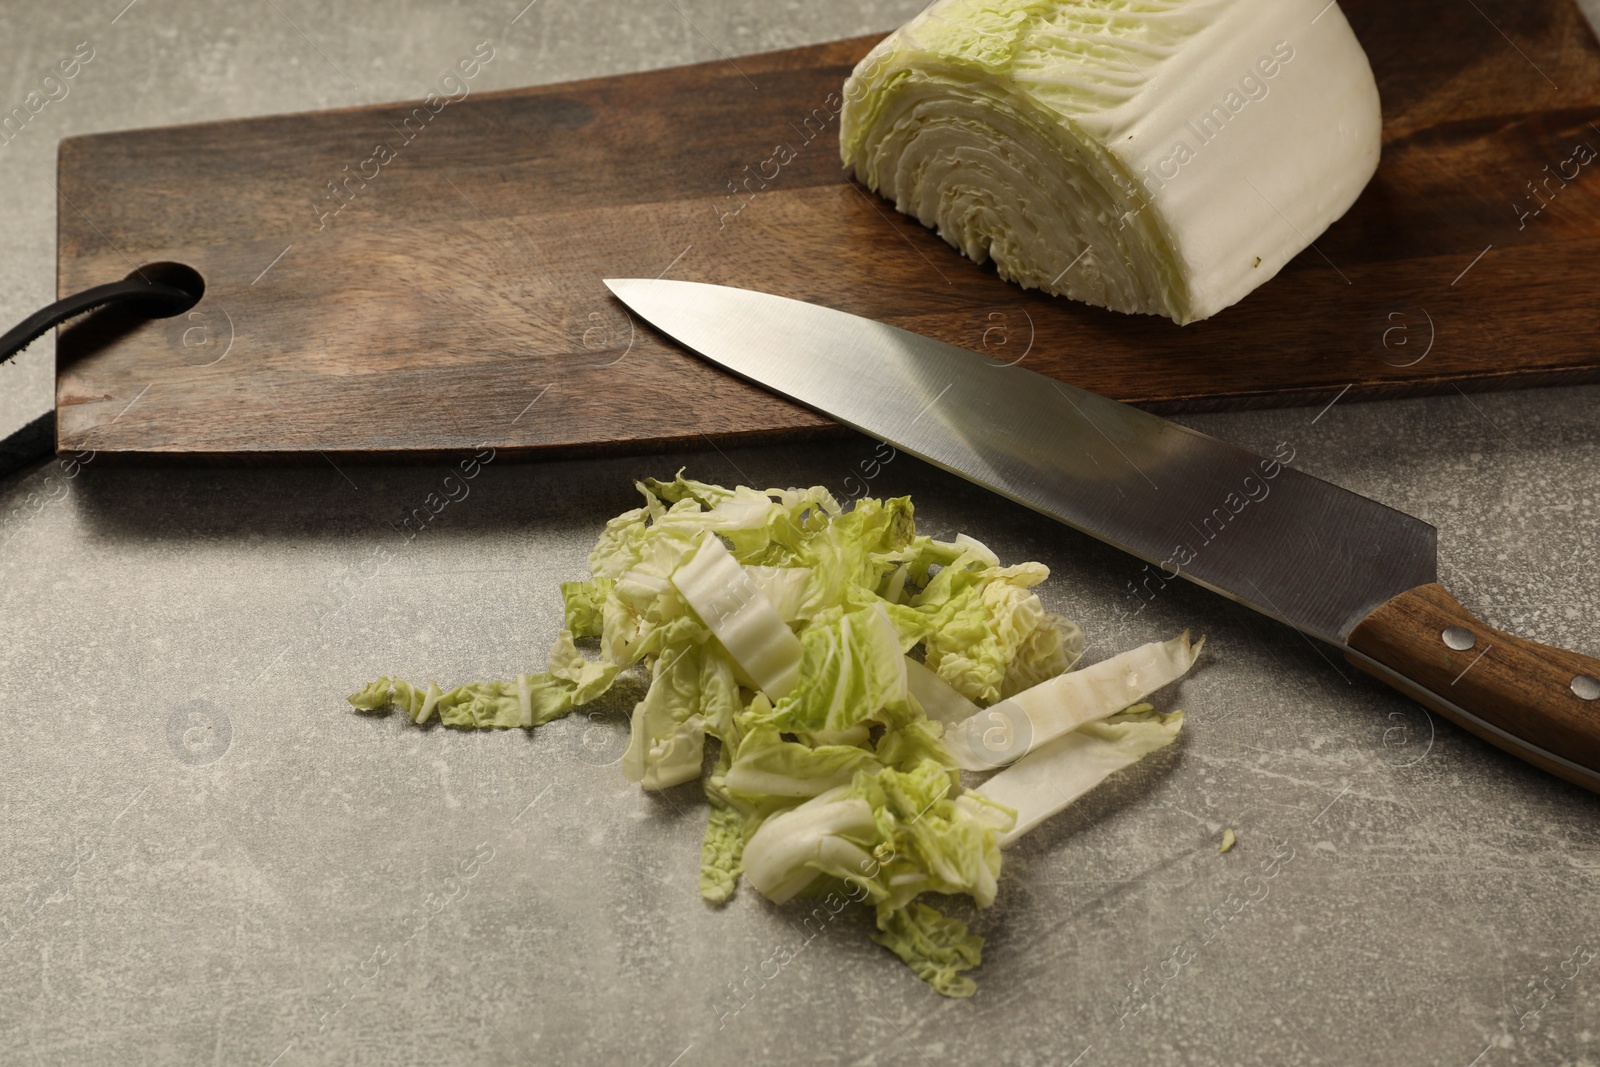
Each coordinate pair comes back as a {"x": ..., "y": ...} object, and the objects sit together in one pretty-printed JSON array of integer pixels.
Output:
[
  {"x": 767, "y": 765},
  {"x": 935, "y": 947},
  {"x": 728, "y": 827},
  {"x": 692, "y": 688},
  {"x": 853, "y": 672},
  {"x": 584, "y": 604}
]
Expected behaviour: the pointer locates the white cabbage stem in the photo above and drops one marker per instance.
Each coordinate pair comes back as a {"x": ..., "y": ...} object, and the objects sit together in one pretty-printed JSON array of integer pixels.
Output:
[
  {"x": 939, "y": 700},
  {"x": 1052, "y": 776},
  {"x": 732, "y": 605},
  {"x": 1020, "y": 724}
]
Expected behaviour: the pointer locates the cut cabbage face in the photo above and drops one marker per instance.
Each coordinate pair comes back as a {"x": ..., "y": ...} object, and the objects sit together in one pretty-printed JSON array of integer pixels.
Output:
[{"x": 1160, "y": 157}]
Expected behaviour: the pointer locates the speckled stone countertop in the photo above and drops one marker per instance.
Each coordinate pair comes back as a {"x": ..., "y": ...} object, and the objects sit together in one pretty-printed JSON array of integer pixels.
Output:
[{"x": 207, "y": 858}]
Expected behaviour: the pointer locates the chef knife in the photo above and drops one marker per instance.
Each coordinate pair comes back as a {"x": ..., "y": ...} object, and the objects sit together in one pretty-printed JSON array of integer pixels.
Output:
[{"x": 1334, "y": 565}]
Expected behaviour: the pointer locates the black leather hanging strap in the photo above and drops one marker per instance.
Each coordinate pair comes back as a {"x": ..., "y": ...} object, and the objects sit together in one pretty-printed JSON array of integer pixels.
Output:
[{"x": 151, "y": 299}]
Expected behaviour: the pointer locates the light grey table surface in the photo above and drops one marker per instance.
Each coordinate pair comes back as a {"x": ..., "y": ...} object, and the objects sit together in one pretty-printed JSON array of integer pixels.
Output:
[{"x": 203, "y": 848}]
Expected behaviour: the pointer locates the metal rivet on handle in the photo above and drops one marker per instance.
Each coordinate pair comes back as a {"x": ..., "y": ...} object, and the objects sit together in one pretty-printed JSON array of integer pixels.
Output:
[
  {"x": 1586, "y": 687},
  {"x": 1459, "y": 638}
]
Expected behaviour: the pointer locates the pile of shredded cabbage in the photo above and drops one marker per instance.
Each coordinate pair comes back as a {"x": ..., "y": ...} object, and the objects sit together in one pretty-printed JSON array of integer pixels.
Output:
[{"x": 850, "y": 670}]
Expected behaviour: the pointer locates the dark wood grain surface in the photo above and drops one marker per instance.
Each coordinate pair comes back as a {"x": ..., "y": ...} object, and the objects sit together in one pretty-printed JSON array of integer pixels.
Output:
[{"x": 454, "y": 297}]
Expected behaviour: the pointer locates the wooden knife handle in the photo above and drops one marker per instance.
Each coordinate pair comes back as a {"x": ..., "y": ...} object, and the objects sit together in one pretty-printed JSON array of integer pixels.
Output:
[{"x": 1538, "y": 702}]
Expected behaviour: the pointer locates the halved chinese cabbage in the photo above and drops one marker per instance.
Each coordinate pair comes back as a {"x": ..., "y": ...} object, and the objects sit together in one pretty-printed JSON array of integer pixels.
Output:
[{"x": 1160, "y": 157}]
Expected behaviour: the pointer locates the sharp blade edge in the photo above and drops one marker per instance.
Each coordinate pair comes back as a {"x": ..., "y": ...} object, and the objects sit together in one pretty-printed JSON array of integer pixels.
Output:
[{"x": 1291, "y": 546}]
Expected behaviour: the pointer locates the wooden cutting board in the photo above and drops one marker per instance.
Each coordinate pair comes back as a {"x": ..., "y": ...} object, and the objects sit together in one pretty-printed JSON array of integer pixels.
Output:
[{"x": 450, "y": 294}]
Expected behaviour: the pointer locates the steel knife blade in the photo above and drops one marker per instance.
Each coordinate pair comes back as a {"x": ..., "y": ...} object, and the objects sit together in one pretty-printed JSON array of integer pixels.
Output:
[{"x": 1335, "y": 565}]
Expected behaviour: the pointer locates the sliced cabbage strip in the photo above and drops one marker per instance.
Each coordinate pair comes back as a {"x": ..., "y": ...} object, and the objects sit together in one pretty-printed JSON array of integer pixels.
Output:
[
  {"x": 1011, "y": 729},
  {"x": 1052, "y": 776}
]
